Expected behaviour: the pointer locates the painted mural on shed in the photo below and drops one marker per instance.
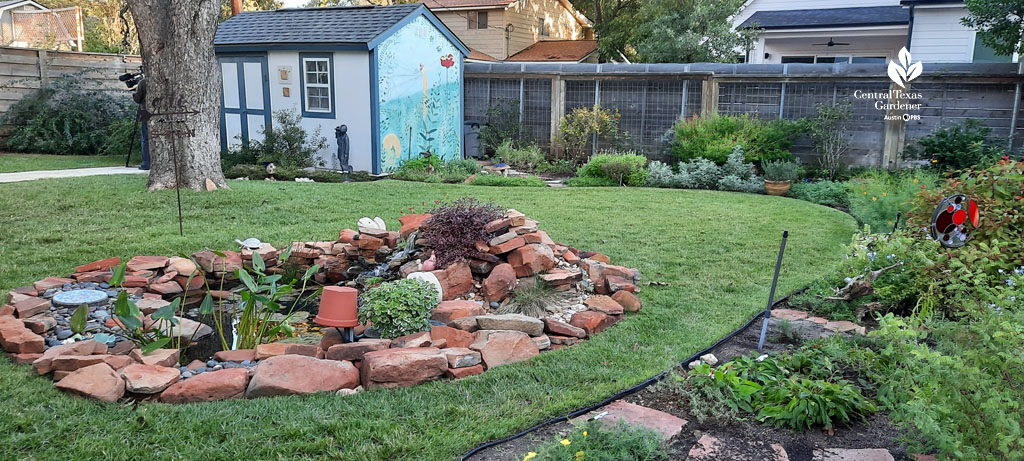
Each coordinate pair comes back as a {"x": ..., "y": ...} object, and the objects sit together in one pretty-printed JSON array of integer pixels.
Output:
[{"x": 419, "y": 74}]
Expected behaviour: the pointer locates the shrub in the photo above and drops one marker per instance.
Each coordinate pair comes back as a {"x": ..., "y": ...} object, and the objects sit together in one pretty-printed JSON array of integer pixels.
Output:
[
  {"x": 526, "y": 157},
  {"x": 700, "y": 173},
  {"x": 826, "y": 193},
  {"x": 780, "y": 170},
  {"x": 828, "y": 132},
  {"x": 502, "y": 125},
  {"x": 285, "y": 144},
  {"x": 66, "y": 118},
  {"x": 627, "y": 167},
  {"x": 876, "y": 196},
  {"x": 585, "y": 124},
  {"x": 455, "y": 227},
  {"x": 661, "y": 175},
  {"x": 508, "y": 181},
  {"x": 398, "y": 308},
  {"x": 957, "y": 146},
  {"x": 714, "y": 137},
  {"x": 430, "y": 169},
  {"x": 736, "y": 184},
  {"x": 596, "y": 442},
  {"x": 556, "y": 166}
]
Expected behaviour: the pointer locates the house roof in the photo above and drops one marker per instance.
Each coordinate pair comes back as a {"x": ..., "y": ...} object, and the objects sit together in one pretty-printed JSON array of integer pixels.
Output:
[
  {"x": 480, "y": 56},
  {"x": 466, "y": 3},
  {"x": 4, "y": 4},
  {"x": 364, "y": 26},
  {"x": 556, "y": 51},
  {"x": 830, "y": 17}
]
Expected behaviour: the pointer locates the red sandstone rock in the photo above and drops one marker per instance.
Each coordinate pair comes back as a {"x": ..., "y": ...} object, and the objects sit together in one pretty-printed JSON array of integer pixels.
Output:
[
  {"x": 458, "y": 280},
  {"x": 166, "y": 288},
  {"x": 17, "y": 339},
  {"x": 44, "y": 364},
  {"x": 412, "y": 223},
  {"x": 615, "y": 283},
  {"x": 298, "y": 374},
  {"x": 148, "y": 379},
  {"x": 24, "y": 359},
  {"x": 210, "y": 262},
  {"x": 100, "y": 265},
  {"x": 183, "y": 266},
  {"x": 571, "y": 258},
  {"x": 97, "y": 381},
  {"x": 447, "y": 311},
  {"x": 402, "y": 367},
  {"x": 238, "y": 355},
  {"x": 355, "y": 351},
  {"x": 118, "y": 362},
  {"x": 40, "y": 324},
  {"x": 531, "y": 259},
  {"x": 557, "y": 327},
  {"x": 162, "y": 357},
  {"x": 507, "y": 246},
  {"x": 459, "y": 373},
  {"x": 454, "y": 337},
  {"x": 28, "y": 306},
  {"x": 75, "y": 362},
  {"x": 629, "y": 301},
  {"x": 461, "y": 357},
  {"x": 497, "y": 225},
  {"x": 347, "y": 236},
  {"x": 499, "y": 283},
  {"x": 465, "y": 324},
  {"x": 500, "y": 347},
  {"x": 369, "y": 242},
  {"x": 95, "y": 276},
  {"x": 419, "y": 339},
  {"x": 592, "y": 321},
  {"x": 6, "y": 310},
  {"x": 265, "y": 351},
  {"x": 135, "y": 281},
  {"x": 603, "y": 304},
  {"x": 50, "y": 282},
  {"x": 140, "y": 263},
  {"x": 229, "y": 383}
]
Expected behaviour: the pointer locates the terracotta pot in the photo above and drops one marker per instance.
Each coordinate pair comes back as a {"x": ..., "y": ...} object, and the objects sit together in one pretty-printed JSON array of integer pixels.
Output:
[
  {"x": 338, "y": 307},
  {"x": 776, "y": 187}
]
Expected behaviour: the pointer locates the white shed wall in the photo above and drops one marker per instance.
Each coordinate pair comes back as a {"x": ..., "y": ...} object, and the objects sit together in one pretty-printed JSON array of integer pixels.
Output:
[{"x": 351, "y": 103}]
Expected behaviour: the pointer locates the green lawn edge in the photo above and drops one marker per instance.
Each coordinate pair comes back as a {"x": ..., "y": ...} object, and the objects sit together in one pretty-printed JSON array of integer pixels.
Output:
[
  {"x": 716, "y": 250},
  {"x": 16, "y": 163}
]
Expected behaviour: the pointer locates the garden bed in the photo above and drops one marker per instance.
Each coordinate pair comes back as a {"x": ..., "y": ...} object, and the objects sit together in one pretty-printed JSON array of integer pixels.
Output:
[{"x": 220, "y": 325}]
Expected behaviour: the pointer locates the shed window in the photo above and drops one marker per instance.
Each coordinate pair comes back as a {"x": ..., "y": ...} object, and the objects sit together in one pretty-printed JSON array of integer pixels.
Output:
[
  {"x": 477, "y": 20},
  {"x": 542, "y": 28},
  {"x": 317, "y": 84}
]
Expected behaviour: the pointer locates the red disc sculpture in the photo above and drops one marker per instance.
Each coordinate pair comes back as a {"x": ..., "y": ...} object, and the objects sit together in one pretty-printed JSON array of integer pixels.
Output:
[{"x": 950, "y": 220}]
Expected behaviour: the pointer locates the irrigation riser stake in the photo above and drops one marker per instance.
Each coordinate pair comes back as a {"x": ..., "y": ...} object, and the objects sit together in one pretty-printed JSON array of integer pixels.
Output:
[{"x": 771, "y": 294}]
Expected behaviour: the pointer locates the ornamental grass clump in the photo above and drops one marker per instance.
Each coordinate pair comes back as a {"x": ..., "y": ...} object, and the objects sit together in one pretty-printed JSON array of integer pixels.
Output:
[
  {"x": 455, "y": 227},
  {"x": 398, "y": 308}
]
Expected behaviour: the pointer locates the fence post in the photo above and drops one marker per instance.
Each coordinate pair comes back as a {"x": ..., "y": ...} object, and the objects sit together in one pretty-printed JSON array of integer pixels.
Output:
[
  {"x": 895, "y": 131},
  {"x": 709, "y": 96},
  {"x": 557, "y": 111},
  {"x": 44, "y": 69}
]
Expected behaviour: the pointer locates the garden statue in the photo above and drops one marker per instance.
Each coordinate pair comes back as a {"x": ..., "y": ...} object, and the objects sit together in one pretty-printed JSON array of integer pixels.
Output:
[
  {"x": 250, "y": 243},
  {"x": 367, "y": 225},
  {"x": 341, "y": 134}
]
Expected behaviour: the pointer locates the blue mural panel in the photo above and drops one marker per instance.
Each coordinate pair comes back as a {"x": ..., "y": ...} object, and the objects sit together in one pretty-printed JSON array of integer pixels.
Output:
[{"x": 420, "y": 89}]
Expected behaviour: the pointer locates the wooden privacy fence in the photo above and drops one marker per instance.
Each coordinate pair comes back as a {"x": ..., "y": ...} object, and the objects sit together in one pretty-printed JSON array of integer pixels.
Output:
[
  {"x": 652, "y": 97},
  {"x": 25, "y": 70}
]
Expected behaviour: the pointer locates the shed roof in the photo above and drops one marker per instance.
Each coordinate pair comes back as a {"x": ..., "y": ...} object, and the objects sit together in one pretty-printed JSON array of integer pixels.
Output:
[
  {"x": 556, "y": 51},
  {"x": 829, "y": 17},
  {"x": 467, "y": 3},
  {"x": 348, "y": 25}
]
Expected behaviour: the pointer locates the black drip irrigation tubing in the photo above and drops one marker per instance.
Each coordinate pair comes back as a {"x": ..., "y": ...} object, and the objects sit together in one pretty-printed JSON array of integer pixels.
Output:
[{"x": 627, "y": 391}]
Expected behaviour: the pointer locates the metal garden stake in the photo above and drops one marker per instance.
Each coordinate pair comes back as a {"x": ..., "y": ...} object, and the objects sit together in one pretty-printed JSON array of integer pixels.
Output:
[{"x": 771, "y": 294}]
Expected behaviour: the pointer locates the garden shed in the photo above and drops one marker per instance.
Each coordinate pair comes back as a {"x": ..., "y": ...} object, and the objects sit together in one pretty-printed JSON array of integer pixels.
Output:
[{"x": 391, "y": 74}]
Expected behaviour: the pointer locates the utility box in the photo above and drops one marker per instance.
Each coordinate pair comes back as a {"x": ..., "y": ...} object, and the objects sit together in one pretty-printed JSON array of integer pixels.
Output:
[{"x": 471, "y": 140}]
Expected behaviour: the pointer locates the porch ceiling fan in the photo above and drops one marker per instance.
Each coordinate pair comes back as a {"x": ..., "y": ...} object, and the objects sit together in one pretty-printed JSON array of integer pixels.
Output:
[{"x": 830, "y": 43}]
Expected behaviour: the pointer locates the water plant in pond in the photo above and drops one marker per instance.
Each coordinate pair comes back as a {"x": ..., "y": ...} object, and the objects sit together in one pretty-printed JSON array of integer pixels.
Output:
[{"x": 261, "y": 299}]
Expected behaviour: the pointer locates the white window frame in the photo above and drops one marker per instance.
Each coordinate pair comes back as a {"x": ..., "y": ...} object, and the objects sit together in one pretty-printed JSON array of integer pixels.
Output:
[{"x": 307, "y": 84}]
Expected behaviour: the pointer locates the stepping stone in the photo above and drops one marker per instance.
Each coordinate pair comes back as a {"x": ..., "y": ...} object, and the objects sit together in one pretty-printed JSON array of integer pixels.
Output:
[
  {"x": 853, "y": 454},
  {"x": 709, "y": 447},
  {"x": 664, "y": 424},
  {"x": 789, "y": 314},
  {"x": 844, "y": 326}
]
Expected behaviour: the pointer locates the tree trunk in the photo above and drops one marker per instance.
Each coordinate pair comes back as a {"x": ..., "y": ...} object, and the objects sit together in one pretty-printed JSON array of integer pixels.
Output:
[{"x": 183, "y": 91}]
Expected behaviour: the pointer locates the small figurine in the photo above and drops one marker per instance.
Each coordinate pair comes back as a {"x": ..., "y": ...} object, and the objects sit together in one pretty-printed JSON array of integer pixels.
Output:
[{"x": 341, "y": 135}]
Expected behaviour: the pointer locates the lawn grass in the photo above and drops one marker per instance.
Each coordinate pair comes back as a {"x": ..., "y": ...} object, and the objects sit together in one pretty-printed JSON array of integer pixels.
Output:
[
  {"x": 715, "y": 250},
  {"x": 11, "y": 162}
]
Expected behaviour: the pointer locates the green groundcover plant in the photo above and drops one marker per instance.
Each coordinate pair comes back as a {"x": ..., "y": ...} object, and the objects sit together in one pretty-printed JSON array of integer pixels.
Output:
[
  {"x": 398, "y": 308},
  {"x": 596, "y": 441}
]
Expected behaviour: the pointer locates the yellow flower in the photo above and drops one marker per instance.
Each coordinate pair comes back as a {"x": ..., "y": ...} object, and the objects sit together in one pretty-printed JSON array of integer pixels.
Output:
[
  {"x": 865, "y": 192},
  {"x": 579, "y": 455},
  {"x": 530, "y": 455},
  {"x": 890, "y": 223},
  {"x": 565, "y": 442},
  {"x": 584, "y": 433},
  {"x": 935, "y": 161},
  {"x": 884, "y": 194},
  {"x": 874, "y": 198},
  {"x": 915, "y": 180}
]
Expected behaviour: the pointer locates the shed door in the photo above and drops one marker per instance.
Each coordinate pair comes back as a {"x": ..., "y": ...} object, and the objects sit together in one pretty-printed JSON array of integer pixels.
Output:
[{"x": 245, "y": 101}]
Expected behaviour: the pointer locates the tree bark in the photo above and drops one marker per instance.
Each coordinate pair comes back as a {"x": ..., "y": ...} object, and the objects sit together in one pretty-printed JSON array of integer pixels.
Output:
[{"x": 183, "y": 91}]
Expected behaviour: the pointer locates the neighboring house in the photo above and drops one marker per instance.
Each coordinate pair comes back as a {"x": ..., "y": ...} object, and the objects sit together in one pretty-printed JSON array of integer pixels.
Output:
[
  {"x": 25, "y": 23},
  {"x": 391, "y": 74},
  {"x": 827, "y": 31},
  {"x": 500, "y": 29}
]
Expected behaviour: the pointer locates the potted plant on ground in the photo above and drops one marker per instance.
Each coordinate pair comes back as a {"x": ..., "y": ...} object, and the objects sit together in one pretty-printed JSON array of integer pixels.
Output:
[{"x": 778, "y": 176}]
